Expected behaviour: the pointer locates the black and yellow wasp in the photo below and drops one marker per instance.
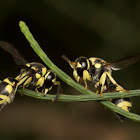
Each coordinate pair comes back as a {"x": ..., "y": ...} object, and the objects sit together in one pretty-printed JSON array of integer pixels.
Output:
[
  {"x": 7, "y": 91},
  {"x": 123, "y": 103},
  {"x": 34, "y": 74},
  {"x": 98, "y": 71}
]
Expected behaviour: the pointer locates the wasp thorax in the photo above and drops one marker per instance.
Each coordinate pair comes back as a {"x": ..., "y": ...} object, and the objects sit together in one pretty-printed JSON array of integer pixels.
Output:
[
  {"x": 37, "y": 67},
  {"x": 82, "y": 64}
]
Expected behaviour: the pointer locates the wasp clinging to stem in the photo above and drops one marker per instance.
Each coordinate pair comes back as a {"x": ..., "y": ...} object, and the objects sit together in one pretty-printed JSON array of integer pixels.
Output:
[
  {"x": 99, "y": 71},
  {"x": 34, "y": 74}
]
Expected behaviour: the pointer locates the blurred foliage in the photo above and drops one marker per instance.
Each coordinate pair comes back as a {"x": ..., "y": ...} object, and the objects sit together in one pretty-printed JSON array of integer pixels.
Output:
[{"x": 100, "y": 28}]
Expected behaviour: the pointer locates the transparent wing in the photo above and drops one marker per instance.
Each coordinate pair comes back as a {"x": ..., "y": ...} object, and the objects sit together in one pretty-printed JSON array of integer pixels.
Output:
[
  {"x": 19, "y": 59},
  {"x": 123, "y": 63},
  {"x": 27, "y": 68}
]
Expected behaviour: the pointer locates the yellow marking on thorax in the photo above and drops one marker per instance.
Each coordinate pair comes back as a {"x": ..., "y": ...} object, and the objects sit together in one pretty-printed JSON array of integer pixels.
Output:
[
  {"x": 97, "y": 65},
  {"x": 34, "y": 68},
  {"x": 28, "y": 65},
  {"x": 9, "y": 88},
  {"x": 92, "y": 59},
  {"x": 103, "y": 61}
]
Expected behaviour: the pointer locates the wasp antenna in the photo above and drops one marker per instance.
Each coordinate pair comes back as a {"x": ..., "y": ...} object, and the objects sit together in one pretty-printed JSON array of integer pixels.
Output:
[
  {"x": 72, "y": 64},
  {"x": 66, "y": 58}
]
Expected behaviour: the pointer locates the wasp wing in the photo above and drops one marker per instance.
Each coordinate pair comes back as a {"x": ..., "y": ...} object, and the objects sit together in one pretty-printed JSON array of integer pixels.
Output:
[
  {"x": 18, "y": 58},
  {"x": 123, "y": 63}
]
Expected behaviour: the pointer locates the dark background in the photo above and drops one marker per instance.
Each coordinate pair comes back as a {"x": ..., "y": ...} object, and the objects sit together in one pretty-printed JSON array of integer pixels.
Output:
[{"x": 98, "y": 28}]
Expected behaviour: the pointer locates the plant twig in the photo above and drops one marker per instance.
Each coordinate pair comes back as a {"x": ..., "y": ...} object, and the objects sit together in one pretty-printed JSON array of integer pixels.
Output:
[
  {"x": 68, "y": 80},
  {"x": 82, "y": 98}
]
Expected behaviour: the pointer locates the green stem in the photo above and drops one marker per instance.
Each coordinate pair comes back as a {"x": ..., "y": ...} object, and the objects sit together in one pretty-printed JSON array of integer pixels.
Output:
[
  {"x": 83, "y": 98},
  {"x": 68, "y": 80},
  {"x": 48, "y": 62}
]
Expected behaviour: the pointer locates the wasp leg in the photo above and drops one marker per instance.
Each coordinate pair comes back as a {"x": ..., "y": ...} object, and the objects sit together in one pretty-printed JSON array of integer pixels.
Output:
[
  {"x": 36, "y": 89},
  {"x": 43, "y": 90},
  {"x": 16, "y": 89},
  {"x": 102, "y": 82},
  {"x": 98, "y": 88},
  {"x": 58, "y": 91},
  {"x": 29, "y": 79},
  {"x": 21, "y": 81},
  {"x": 80, "y": 81},
  {"x": 22, "y": 90},
  {"x": 77, "y": 77},
  {"x": 86, "y": 77},
  {"x": 46, "y": 91},
  {"x": 119, "y": 88},
  {"x": 39, "y": 84}
]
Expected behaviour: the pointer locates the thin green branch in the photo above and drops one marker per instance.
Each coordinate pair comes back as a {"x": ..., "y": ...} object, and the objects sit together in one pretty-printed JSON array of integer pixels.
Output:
[
  {"x": 48, "y": 62},
  {"x": 83, "y": 98},
  {"x": 68, "y": 80}
]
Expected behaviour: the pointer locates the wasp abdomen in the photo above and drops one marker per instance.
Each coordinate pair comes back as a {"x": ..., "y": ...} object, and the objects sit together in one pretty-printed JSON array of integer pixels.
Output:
[
  {"x": 125, "y": 104},
  {"x": 7, "y": 91}
]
